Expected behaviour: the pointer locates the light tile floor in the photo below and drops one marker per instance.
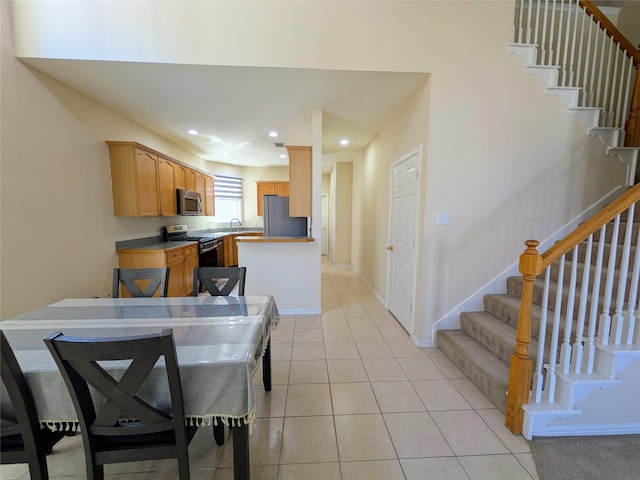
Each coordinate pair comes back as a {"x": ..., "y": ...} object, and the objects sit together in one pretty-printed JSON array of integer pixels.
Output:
[{"x": 353, "y": 398}]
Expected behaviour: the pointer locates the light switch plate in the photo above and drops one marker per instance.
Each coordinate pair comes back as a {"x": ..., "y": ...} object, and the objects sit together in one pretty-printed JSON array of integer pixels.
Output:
[{"x": 442, "y": 218}]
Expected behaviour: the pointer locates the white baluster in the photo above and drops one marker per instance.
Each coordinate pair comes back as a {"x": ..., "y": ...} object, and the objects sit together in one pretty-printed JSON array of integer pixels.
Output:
[
  {"x": 536, "y": 31},
  {"x": 589, "y": 65},
  {"x": 613, "y": 90},
  {"x": 580, "y": 66},
  {"x": 565, "y": 349},
  {"x": 529, "y": 22},
  {"x": 552, "y": 31},
  {"x": 578, "y": 347},
  {"x": 544, "y": 43},
  {"x": 519, "y": 28},
  {"x": 610, "y": 88},
  {"x": 590, "y": 350},
  {"x": 631, "y": 337},
  {"x": 572, "y": 57},
  {"x": 600, "y": 53},
  {"x": 538, "y": 376},
  {"x": 559, "y": 38},
  {"x": 617, "y": 322},
  {"x": 604, "y": 327},
  {"x": 624, "y": 109},
  {"x": 555, "y": 333}
]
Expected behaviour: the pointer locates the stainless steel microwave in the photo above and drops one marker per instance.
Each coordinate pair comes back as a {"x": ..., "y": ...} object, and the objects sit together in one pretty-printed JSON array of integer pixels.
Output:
[{"x": 189, "y": 202}]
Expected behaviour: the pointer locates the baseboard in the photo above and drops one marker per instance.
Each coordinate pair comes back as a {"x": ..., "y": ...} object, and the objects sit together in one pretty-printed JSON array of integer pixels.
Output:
[
  {"x": 300, "y": 311},
  {"x": 629, "y": 428},
  {"x": 498, "y": 284}
]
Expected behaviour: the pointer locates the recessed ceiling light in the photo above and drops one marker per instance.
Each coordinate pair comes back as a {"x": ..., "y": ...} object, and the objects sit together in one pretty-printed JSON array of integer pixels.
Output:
[
  {"x": 193, "y": 131},
  {"x": 283, "y": 156},
  {"x": 273, "y": 133},
  {"x": 344, "y": 141}
]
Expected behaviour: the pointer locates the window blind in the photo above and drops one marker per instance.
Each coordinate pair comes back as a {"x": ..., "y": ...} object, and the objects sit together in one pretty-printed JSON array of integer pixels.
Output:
[{"x": 227, "y": 187}]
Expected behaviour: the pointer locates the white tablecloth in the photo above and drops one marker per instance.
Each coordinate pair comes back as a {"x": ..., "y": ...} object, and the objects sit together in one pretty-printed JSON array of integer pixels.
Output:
[{"x": 219, "y": 341}]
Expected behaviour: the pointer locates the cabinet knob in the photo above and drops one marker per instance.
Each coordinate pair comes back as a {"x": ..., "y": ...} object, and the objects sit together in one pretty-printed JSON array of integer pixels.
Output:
[{"x": 390, "y": 247}]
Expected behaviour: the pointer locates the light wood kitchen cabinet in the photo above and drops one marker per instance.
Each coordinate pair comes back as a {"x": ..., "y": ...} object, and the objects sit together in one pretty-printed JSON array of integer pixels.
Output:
[
  {"x": 300, "y": 183},
  {"x": 209, "y": 198},
  {"x": 270, "y": 188},
  {"x": 167, "y": 187},
  {"x": 181, "y": 261},
  {"x": 144, "y": 181},
  {"x": 134, "y": 180},
  {"x": 231, "y": 247}
]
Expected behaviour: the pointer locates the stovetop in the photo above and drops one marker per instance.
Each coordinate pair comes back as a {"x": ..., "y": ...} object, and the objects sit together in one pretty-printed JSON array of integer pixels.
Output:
[{"x": 181, "y": 233}]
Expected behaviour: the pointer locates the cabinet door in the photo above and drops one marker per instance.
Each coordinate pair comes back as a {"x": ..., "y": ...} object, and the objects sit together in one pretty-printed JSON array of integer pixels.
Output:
[
  {"x": 190, "y": 262},
  {"x": 264, "y": 188},
  {"x": 282, "y": 189},
  {"x": 209, "y": 198},
  {"x": 175, "y": 262},
  {"x": 167, "y": 187},
  {"x": 299, "y": 181},
  {"x": 189, "y": 179},
  {"x": 147, "y": 183}
]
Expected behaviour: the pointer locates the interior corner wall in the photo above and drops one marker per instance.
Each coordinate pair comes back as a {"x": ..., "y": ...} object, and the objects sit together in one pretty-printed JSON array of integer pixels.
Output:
[
  {"x": 61, "y": 242},
  {"x": 343, "y": 174}
]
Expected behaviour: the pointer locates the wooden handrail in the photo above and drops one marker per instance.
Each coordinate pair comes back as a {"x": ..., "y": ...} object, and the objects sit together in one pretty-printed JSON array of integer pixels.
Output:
[
  {"x": 612, "y": 30},
  {"x": 532, "y": 264},
  {"x": 592, "y": 225}
]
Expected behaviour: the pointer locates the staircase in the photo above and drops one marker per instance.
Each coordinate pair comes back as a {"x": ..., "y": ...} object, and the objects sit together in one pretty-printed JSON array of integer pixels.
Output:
[
  {"x": 481, "y": 349},
  {"x": 585, "y": 378}
]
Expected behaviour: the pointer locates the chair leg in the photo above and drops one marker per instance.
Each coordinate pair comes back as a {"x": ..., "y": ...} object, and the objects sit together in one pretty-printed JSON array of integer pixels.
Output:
[
  {"x": 183, "y": 463},
  {"x": 94, "y": 472},
  {"x": 38, "y": 468}
]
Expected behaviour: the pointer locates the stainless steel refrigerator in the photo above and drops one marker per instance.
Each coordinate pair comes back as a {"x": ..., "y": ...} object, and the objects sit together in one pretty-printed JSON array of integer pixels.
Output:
[{"x": 277, "y": 222}]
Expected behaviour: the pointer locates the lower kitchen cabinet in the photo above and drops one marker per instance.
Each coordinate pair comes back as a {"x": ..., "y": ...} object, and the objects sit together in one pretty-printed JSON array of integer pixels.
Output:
[
  {"x": 231, "y": 247},
  {"x": 180, "y": 259}
]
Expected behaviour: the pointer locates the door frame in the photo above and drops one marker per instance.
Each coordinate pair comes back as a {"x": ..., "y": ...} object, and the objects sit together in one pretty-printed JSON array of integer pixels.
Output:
[{"x": 417, "y": 151}]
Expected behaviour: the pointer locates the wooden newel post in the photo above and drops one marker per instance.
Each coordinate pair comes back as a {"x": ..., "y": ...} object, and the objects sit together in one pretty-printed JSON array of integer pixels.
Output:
[
  {"x": 521, "y": 364},
  {"x": 632, "y": 127}
]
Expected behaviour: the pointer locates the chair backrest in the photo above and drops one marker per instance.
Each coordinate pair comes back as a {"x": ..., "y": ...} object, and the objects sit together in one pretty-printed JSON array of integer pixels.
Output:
[
  {"x": 77, "y": 358},
  {"x": 219, "y": 281},
  {"x": 133, "y": 280},
  {"x": 22, "y": 439}
]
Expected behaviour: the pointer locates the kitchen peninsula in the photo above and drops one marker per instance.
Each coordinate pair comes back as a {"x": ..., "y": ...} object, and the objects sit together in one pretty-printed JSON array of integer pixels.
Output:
[{"x": 277, "y": 265}]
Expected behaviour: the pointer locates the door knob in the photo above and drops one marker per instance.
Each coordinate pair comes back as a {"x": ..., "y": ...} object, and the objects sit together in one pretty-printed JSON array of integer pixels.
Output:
[{"x": 390, "y": 247}]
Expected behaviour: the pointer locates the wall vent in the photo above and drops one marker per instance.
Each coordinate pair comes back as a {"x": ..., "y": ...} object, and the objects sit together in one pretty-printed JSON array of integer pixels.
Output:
[{"x": 278, "y": 144}]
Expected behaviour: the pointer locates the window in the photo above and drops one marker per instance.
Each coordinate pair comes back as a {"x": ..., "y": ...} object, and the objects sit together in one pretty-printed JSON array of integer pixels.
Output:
[{"x": 228, "y": 197}]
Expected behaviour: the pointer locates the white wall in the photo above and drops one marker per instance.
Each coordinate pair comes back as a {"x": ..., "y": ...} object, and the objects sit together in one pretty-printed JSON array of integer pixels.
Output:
[{"x": 504, "y": 160}]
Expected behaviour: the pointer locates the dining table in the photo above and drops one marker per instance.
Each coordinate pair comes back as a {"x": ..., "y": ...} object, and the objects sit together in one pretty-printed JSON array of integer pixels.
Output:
[{"x": 219, "y": 343}]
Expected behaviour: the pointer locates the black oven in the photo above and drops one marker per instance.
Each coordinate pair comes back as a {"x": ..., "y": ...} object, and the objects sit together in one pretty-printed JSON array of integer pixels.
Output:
[{"x": 211, "y": 252}]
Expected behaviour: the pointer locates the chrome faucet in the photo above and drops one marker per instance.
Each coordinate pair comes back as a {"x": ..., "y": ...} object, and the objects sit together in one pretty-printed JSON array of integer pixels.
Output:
[{"x": 231, "y": 223}]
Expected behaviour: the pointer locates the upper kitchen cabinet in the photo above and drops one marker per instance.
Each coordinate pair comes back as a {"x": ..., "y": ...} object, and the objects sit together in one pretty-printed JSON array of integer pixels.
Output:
[
  {"x": 134, "y": 180},
  {"x": 300, "y": 181},
  {"x": 144, "y": 181},
  {"x": 167, "y": 187},
  {"x": 270, "y": 188},
  {"x": 209, "y": 199}
]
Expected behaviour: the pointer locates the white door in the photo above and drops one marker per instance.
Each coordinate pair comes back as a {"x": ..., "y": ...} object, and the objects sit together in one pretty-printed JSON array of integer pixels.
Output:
[
  {"x": 403, "y": 227},
  {"x": 324, "y": 240}
]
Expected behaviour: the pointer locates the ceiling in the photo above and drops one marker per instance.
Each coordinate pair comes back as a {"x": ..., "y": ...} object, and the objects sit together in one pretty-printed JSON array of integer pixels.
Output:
[{"x": 234, "y": 108}]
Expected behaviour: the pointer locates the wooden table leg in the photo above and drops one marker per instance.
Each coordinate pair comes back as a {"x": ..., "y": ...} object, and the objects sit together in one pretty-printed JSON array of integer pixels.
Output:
[
  {"x": 241, "y": 453},
  {"x": 266, "y": 367}
]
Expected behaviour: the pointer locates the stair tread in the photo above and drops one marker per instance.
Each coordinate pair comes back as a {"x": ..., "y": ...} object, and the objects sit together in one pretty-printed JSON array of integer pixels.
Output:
[{"x": 495, "y": 367}]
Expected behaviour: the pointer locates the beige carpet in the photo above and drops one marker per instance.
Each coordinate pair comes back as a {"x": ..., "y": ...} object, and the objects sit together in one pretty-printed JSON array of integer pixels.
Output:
[{"x": 585, "y": 458}]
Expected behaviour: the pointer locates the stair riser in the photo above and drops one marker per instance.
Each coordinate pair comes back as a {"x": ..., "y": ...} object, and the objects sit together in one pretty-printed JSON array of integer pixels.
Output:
[{"x": 494, "y": 387}]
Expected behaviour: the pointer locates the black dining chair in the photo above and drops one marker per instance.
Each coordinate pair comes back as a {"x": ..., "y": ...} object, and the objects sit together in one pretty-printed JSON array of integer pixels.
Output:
[
  {"x": 128, "y": 425},
  {"x": 141, "y": 282},
  {"x": 219, "y": 281},
  {"x": 22, "y": 439}
]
